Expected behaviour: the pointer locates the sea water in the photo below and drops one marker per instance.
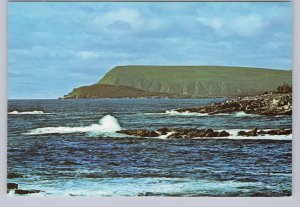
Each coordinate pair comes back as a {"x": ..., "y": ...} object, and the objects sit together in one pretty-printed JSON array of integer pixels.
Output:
[{"x": 70, "y": 147}]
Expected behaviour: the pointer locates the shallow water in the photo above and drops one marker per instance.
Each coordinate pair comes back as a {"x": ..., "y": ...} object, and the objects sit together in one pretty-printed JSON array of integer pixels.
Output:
[{"x": 69, "y": 147}]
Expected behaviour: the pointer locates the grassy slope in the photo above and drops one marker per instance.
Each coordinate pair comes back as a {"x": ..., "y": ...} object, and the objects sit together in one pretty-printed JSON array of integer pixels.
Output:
[
  {"x": 198, "y": 81},
  {"x": 110, "y": 91}
]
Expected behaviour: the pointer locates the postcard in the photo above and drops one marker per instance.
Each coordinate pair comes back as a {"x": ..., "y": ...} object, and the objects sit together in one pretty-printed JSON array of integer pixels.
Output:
[{"x": 185, "y": 99}]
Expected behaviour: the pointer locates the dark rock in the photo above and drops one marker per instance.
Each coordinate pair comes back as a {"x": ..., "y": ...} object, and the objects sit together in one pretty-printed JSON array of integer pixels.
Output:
[
  {"x": 255, "y": 132},
  {"x": 212, "y": 134},
  {"x": 139, "y": 132},
  {"x": 242, "y": 133},
  {"x": 24, "y": 192},
  {"x": 279, "y": 132},
  {"x": 269, "y": 104},
  {"x": 153, "y": 134},
  {"x": 146, "y": 194},
  {"x": 206, "y": 131},
  {"x": 14, "y": 175},
  {"x": 251, "y": 133},
  {"x": 163, "y": 131},
  {"x": 175, "y": 135},
  {"x": 12, "y": 186},
  {"x": 223, "y": 134}
]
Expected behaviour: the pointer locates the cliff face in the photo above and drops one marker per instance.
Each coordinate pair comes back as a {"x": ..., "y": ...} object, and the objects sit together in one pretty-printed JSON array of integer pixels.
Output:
[
  {"x": 183, "y": 82},
  {"x": 198, "y": 81},
  {"x": 111, "y": 91}
]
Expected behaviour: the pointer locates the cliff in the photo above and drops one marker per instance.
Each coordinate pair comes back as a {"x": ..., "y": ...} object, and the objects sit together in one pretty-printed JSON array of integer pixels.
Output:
[{"x": 183, "y": 81}]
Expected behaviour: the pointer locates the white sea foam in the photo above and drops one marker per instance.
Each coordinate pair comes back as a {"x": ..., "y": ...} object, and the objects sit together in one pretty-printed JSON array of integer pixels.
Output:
[
  {"x": 176, "y": 113},
  {"x": 107, "y": 124},
  {"x": 234, "y": 135},
  {"x": 27, "y": 112},
  {"x": 185, "y": 113},
  {"x": 243, "y": 114},
  {"x": 165, "y": 136},
  {"x": 188, "y": 113},
  {"x": 135, "y": 186}
]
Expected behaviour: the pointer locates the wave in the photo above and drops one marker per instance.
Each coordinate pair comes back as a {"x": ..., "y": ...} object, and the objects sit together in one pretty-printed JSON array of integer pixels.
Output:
[
  {"x": 234, "y": 135},
  {"x": 107, "y": 124},
  {"x": 243, "y": 114},
  {"x": 173, "y": 112},
  {"x": 27, "y": 113},
  {"x": 177, "y": 113}
]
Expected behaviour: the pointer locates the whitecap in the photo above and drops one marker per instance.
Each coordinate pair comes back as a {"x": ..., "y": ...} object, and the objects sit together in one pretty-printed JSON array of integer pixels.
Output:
[
  {"x": 107, "y": 124},
  {"x": 177, "y": 113},
  {"x": 173, "y": 112},
  {"x": 243, "y": 114},
  {"x": 234, "y": 135},
  {"x": 27, "y": 113}
]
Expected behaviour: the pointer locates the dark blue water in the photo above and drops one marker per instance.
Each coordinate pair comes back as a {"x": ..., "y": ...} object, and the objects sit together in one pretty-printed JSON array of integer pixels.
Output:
[{"x": 61, "y": 148}]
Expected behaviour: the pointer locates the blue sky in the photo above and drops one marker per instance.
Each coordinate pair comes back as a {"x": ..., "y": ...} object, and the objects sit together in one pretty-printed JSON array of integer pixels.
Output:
[{"x": 54, "y": 47}]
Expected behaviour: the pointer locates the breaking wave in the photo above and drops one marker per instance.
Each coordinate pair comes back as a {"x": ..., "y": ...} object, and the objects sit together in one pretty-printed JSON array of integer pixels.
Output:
[
  {"x": 243, "y": 114},
  {"x": 177, "y": 113},
  {"x": 107, "y": 124},
  {"x": 234, "y": 135},
  {"x": 185, "y": 113},
  {"x": 27, "y": 113},
  {"x": 188, "y": 113}
]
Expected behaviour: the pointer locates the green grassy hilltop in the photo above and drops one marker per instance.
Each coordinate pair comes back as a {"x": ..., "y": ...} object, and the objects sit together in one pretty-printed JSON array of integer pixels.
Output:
[{"x": 187, "y": 81}]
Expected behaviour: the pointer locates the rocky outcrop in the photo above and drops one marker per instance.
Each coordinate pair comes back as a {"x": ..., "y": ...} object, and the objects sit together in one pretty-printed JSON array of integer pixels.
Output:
[
  {"x": 193, "y": 133},
  {"x": 139, "y": 133},
  {"x": 175, "y": 133},
  {"x": 24, "y": 192},
  {"x": 255, "y": 132},
  {"x": 14, "y": 175},
  {"x": 182, "y": 133},
  {"x": 267, "y": 104},
  {"x": 12, "y": 186},
  {"x": 15, "y": 187}
]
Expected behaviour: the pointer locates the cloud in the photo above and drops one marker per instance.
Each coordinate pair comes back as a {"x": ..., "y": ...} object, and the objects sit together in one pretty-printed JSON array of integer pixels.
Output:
[
  {"x": 82, "y": 41},
  {"x": 121, "y": 20},
  {"x": 249, "y": 25},
  {"x": 87, "y": 55},
  {"x": 126, "y": 20}
]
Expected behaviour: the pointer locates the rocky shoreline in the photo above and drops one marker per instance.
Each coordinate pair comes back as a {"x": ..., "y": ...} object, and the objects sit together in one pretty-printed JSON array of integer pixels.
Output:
[
  {"x": 178, "y": 133},
  {"x": 15, "y": 187},
  {"x": 271, "y": 104}
]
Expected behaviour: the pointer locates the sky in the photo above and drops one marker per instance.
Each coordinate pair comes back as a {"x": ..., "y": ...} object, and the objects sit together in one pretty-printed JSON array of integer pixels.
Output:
[{"x": 55, "y": 47}]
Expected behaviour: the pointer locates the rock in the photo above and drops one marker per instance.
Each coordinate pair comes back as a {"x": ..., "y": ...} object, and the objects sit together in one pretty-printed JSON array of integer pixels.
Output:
[
  {"x": 255, "y": 132},
  {"x": 153, "y": 134},
  {"x": 139, "y": 132},
  {"x": 14, "y": 175},
  {"x": 242, "y": 133},
  {"x": 279, "y": 132},
  {"x": 175, "y": 135},
  {"x": 146, "y": 194},
  {"x": 212, "y": 134},
  {"x": 251, "y": 133},
  {"x": 223, "y": 134},
  {"x": 24, "y": 192},
  {"x": 12, "y": 186},
  {"x": 163, "y": 130},
  {"x": 270, "y": 104},
  {"x": 206, "y": 131}
]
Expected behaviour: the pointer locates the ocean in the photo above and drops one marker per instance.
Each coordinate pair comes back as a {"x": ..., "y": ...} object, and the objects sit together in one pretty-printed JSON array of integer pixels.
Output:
[{"x": 71, "y": 148}]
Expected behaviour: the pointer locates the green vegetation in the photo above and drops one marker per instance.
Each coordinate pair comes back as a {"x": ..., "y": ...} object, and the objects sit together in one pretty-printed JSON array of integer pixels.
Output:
[
  {"x": 184, "y": 81},
  {"x": 110, "y": 91},
  {"x": 198, "y": 81}
]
